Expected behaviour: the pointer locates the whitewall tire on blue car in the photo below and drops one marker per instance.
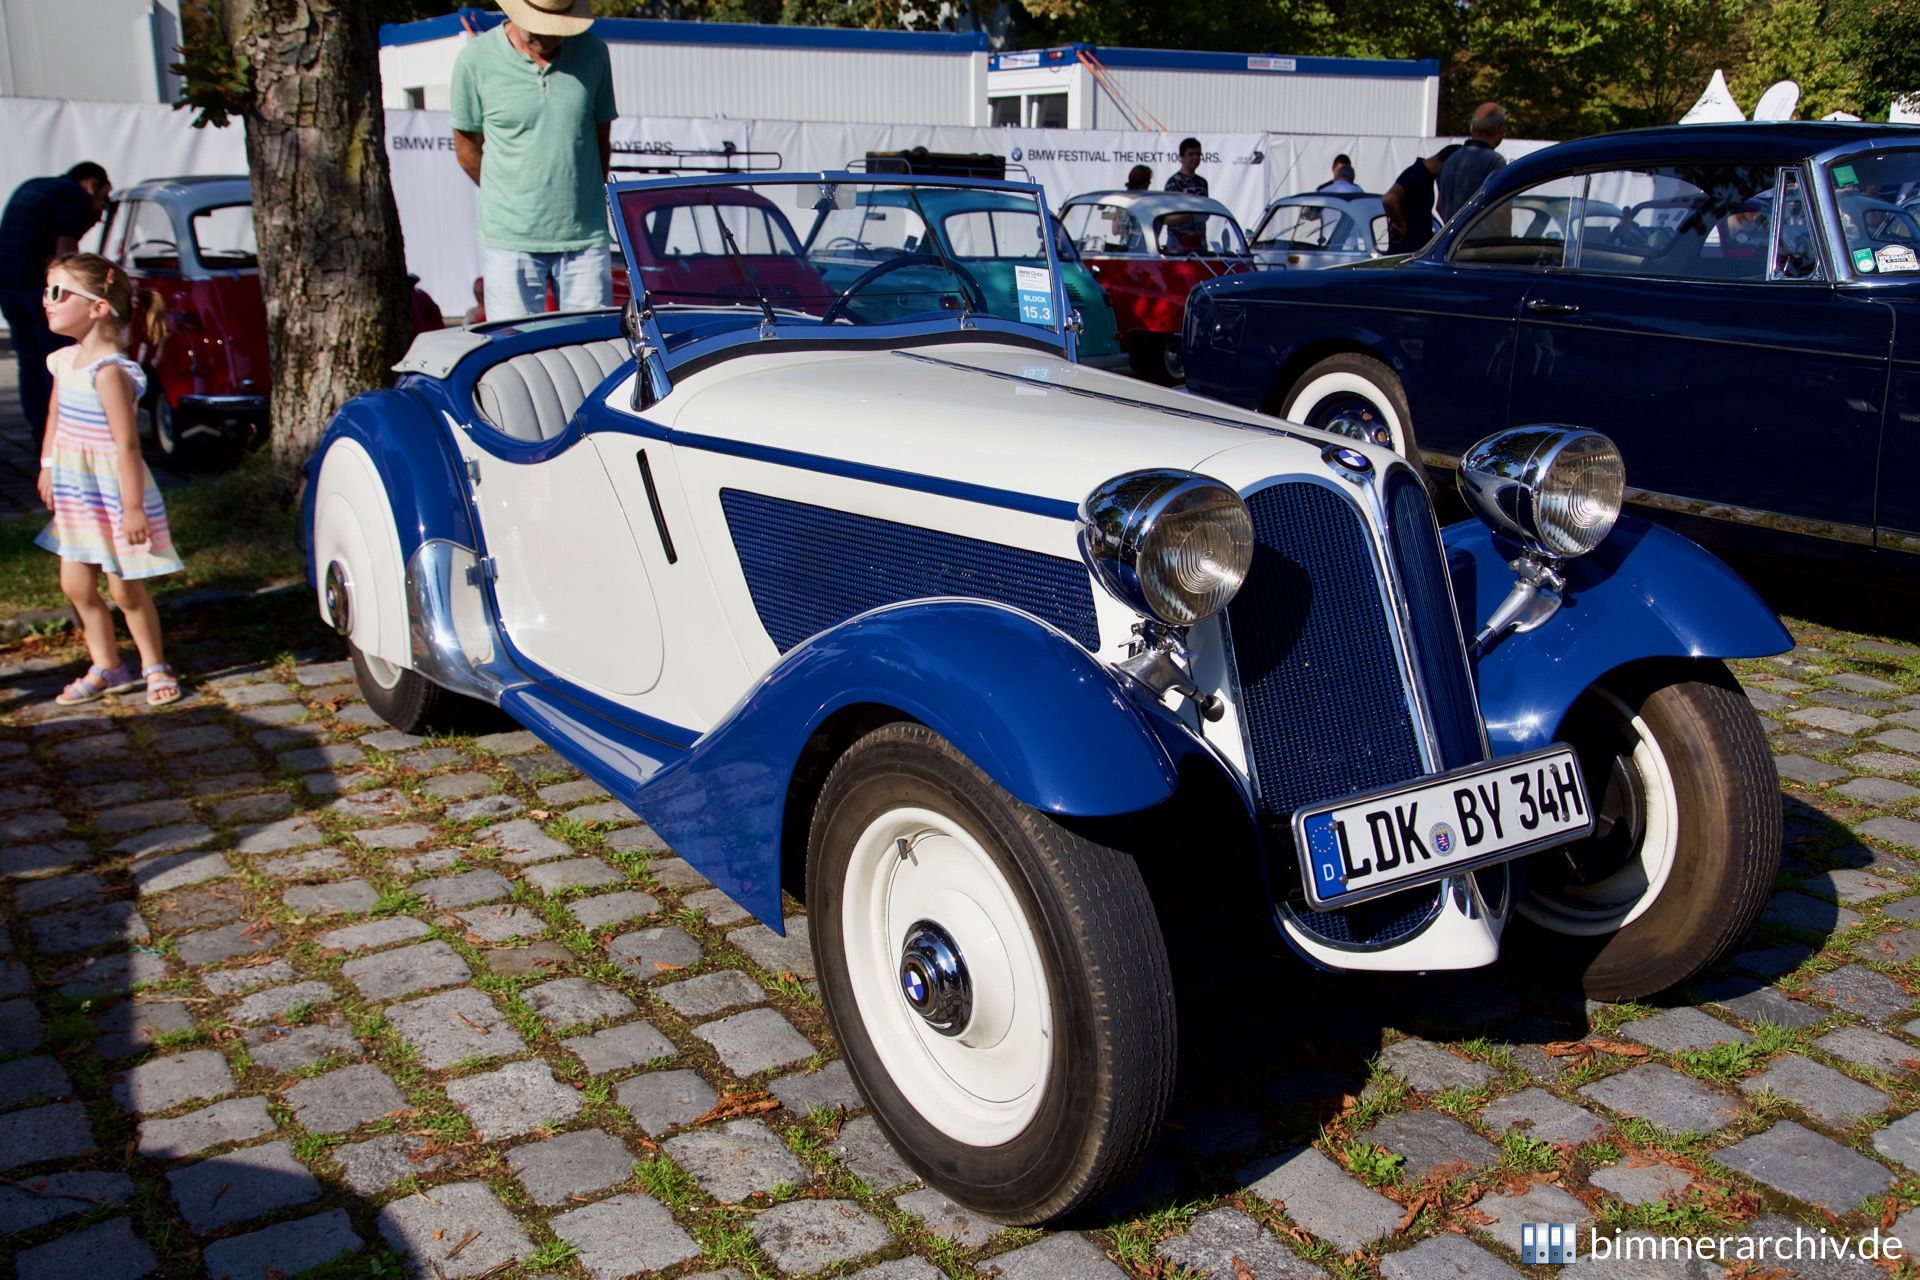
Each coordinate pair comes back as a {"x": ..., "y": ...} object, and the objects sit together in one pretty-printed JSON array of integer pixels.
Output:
[
  {"x": 998, "y": 983},
  {"x": 1687, "y": 834}
]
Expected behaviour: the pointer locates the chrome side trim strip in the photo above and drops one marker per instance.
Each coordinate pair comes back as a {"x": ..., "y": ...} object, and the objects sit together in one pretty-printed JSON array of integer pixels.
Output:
[{"x": 1833, "y": 530}]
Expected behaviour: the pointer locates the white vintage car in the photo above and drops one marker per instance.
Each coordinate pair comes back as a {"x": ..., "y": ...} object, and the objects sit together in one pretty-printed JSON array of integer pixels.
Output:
[{"x": 886, "y": 601}]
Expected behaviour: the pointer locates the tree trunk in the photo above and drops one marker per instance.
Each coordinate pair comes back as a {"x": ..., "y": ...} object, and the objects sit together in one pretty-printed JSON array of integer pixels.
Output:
[{"x": 331, "y": 260}]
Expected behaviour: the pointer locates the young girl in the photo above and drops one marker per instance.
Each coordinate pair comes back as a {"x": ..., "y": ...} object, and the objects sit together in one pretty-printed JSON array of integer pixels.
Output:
[{"x": 107, "y": 514}]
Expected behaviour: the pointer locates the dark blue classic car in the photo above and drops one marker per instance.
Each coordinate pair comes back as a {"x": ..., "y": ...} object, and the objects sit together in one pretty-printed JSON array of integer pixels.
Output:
[{"x": 1738, "y": 306}]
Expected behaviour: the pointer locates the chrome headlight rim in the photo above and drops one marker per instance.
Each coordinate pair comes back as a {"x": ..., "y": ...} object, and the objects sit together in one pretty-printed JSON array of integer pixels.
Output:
[
  {"x": 1125, "y": 521},
  {"x": 1524, "y": 483}
]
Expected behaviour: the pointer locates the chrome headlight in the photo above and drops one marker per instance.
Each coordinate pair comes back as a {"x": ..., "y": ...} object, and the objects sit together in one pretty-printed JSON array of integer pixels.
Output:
[
  {"x": 1557, "y": 489},
  {"x": 1171, "y": 544}
]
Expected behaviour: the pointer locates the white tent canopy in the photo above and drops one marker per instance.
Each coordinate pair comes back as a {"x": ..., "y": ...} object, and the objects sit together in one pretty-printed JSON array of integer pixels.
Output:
[{"x": 1716, "y": 105}]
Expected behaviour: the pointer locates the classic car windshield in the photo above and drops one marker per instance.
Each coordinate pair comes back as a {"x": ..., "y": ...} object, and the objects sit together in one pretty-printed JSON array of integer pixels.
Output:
[
  {"x": 223, "y": 236},
  {"x": 1876, "y": 193},
  {"x": 1180, "y": 234},
  {"x": 847, "y": 250},
  {"x": 1308, "y": 226}
]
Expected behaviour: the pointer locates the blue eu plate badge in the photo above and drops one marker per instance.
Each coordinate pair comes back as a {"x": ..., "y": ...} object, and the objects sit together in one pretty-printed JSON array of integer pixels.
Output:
[{"x": 1035, "y": 287}]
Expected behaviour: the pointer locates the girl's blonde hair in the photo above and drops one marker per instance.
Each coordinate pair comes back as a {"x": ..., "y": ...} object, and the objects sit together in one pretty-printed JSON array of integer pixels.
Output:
[{"x": 109, "y": 279}]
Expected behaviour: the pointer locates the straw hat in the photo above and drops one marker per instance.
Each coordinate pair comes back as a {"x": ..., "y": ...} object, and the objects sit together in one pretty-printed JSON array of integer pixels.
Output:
[{"x": 550, "y": 17}]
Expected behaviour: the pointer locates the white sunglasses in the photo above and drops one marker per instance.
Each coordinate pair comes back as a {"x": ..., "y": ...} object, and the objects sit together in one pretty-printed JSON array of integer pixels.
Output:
[{"x": 58, "y": 292}]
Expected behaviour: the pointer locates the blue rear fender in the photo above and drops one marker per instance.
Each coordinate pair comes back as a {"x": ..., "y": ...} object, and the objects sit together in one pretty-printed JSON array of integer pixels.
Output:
[
  {"x": 1029, "y": 707},
  {"x": 402, "y": 432},
  {"x": 1646, "y": 592}
]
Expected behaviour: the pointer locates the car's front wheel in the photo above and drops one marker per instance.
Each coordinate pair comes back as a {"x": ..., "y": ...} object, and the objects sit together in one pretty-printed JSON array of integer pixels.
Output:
[
  {"x": 998, "y": 983},
  {"x": 1686, "y": 840},
  {"x": 1357, "y": 396}
]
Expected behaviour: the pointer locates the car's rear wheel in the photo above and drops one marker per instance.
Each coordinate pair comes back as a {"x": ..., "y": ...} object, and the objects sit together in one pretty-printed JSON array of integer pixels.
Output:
[
  {"x": 1686, "y": 841},
  {"x": 998, "y": 983},
  {"x": 1356, "y": 396},
  {"x": 406, "y": 699}
]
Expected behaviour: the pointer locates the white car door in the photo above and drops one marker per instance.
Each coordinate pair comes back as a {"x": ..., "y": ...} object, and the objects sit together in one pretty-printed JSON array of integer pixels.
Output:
[{"x": 572, "y": 588}]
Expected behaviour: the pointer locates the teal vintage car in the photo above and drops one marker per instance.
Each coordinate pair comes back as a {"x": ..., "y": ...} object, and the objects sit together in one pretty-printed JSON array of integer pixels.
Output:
[{"x": 983, "y": 238}]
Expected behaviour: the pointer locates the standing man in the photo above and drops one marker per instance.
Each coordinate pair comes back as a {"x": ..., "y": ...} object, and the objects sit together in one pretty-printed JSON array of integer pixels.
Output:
[
  {"x": 532, "y": 120},
  {"x": 1409, "y": 201},
  {"x": 1476, "y": 160},
  {"x": 44, "y": 219},
  {"x": 1184, "y": 179},
  {"x": 1342, "y": 179}
]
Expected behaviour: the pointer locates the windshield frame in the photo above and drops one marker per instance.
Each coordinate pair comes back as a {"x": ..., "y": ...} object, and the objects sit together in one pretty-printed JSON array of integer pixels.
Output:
[
  {"x": 800, "y": 330},
  {"x": 218, "y": 262},
  {"x": 1827, "y": 200}
]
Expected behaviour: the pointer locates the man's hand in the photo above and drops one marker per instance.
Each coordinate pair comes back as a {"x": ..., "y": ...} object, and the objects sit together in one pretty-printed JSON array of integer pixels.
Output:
[
  {"x": 1396, "y": 213},
  {"x": 467, "y": 148}
]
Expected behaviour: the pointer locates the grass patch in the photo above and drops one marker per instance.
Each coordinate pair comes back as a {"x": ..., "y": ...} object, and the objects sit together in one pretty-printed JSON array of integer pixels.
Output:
[
  {"x": 227, "y": 528},
  {"x": 1376, "y": 1165},
  {"x": 1528, "y": 1155},
  {"x": 665, "y": 1181}
]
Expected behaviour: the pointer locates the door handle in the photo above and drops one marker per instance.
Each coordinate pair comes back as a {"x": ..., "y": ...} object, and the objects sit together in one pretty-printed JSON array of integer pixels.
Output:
[{"x": 1541, "y": 306}]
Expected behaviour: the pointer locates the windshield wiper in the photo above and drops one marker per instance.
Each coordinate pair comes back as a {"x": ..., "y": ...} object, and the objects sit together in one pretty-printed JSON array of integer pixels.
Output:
[
  {"x": 940, "y": 252},
  {"x": 736, "y": 258}
]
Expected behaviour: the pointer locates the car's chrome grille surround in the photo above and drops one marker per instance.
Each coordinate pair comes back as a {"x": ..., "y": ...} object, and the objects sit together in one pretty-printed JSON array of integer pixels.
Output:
[
  {"x": 1326, "y": 638},
  {"x": 809, "y": 568}
]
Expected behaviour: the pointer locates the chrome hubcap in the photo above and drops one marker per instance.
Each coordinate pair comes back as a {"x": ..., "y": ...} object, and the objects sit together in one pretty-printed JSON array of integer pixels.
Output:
[
  {"x": 339, "y": 602},
  {"x": 933, "y": 978}
]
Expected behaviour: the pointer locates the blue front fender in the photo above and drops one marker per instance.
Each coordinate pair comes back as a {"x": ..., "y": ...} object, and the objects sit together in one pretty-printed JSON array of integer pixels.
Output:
[
  {"x": 1032, "y": 709},
  {"x": 1646, "y": 592}
]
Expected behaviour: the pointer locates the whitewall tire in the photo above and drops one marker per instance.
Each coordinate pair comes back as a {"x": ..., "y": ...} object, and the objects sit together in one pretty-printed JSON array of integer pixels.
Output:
[
  {"x": 1687, "y": 834},
  {"x": 1353, "y": 395},
  {"x": 998, "y": 983}
]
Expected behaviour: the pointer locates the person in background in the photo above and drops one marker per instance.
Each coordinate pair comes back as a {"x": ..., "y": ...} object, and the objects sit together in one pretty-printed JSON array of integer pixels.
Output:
[
  {"x": 1409, "y": 201},
  {"x": 44, "y": 220},
  {"x": 1140, "y": 178},
  {"x": 1476, "y": 160},
  {"x": 1342, "y": 179},
  {"x": 1185, "y": 179},
  {"x": 532, "y": 118}
]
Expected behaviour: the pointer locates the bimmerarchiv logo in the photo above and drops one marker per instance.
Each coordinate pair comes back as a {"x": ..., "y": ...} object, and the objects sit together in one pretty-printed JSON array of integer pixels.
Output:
[{"x": 1559, "y": 1243}]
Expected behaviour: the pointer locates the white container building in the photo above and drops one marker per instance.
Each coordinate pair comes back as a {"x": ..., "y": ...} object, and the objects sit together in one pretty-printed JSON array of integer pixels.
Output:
[
  {"x": 732, "y": 69},
  {"x": 1085, "y": 86}
]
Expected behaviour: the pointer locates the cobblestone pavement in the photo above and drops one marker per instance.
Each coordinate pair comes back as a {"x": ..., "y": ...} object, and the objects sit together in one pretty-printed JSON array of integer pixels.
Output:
[{"x": 283, "y": 989}]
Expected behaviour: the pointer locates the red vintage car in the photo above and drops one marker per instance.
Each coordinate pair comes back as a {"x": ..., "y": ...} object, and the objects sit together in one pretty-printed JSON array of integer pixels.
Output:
[
  {"x": 190, "y": 240},
  {"x": 685, "y": 261},
  {"x": 1148, "y": 249}
]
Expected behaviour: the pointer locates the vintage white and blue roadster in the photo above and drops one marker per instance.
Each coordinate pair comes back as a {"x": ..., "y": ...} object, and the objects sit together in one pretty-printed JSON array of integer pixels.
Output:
[{"x": 886, "y": 601}]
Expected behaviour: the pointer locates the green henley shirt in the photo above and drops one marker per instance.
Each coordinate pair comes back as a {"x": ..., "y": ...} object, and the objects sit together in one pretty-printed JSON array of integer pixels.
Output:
[{"x": 541, "y": 187}]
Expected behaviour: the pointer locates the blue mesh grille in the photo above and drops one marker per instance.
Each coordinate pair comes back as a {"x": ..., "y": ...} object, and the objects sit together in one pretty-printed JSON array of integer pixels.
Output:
[
  {"x": 1375, "y": 922},
  {"x": 1320, "y": 690},
  {"x": 810, "y": 568},
  {"x": 1437, "y": 645}
]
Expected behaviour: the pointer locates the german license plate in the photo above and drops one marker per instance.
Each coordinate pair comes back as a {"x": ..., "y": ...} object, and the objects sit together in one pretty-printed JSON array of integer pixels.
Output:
[{"x": 1366, "y": 845}]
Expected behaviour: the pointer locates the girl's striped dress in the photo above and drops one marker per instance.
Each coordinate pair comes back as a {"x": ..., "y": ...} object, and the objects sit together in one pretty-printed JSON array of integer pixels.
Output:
[{"x": 86, "y": 479}]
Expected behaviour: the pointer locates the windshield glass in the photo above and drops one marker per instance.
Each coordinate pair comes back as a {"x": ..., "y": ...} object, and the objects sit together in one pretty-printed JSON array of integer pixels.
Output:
[
  {"x": 1180, "y": 234},
  {"x": 850, "y": 251},
  {"x": 223, "y": 237},
  {"x": 1308, "y": 226},
  {"x": 1877, "y": 194}
]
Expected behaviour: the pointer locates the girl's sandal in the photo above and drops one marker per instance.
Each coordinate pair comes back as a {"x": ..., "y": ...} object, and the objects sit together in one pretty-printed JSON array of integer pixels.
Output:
[
  {"x": 91, "y": 686},
  {"x": 163, "y": 686}
]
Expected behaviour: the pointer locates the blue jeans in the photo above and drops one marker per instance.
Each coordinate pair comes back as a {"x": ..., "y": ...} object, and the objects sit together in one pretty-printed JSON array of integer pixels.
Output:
[{"x": 515, "y": 282}]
